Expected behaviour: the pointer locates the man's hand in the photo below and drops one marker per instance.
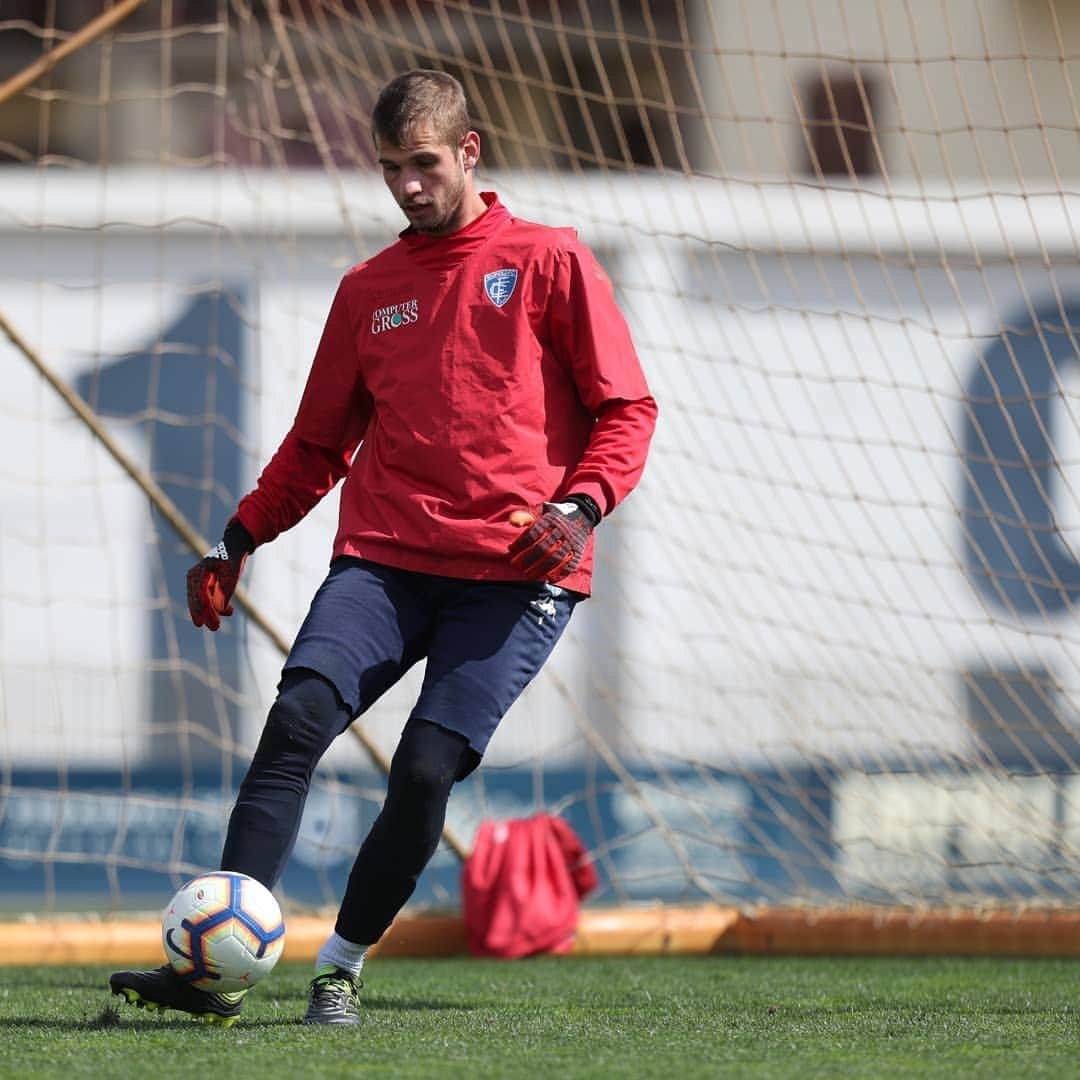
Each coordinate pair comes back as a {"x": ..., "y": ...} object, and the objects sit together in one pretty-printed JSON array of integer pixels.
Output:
[
  {"x": 211, "y": 582},
  {"x": 553, "y": 545}
]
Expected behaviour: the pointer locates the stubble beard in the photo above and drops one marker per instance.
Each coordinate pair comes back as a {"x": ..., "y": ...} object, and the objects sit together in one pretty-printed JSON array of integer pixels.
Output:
[{"x": 443, "y": 222}]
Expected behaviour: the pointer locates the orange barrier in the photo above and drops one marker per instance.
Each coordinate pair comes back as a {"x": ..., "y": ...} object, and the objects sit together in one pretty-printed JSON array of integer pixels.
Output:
[
  {"x": 891, "y": 932},
  {"x": 137, "y": 941},
  {"x": 655, "y": 931}
]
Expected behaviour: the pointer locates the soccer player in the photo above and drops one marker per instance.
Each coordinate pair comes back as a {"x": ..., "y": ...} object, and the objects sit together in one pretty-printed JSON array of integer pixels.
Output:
[{"x": 478, "y": 391}]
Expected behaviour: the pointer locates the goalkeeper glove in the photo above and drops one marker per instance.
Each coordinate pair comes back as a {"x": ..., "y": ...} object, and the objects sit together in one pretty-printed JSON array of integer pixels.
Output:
[
  {"x": 554, "y": 543},
  {"x": 211, "y": 582}
]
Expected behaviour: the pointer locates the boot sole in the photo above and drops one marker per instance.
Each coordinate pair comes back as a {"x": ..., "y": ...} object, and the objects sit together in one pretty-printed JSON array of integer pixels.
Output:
[{"x": 133, "y": 997}]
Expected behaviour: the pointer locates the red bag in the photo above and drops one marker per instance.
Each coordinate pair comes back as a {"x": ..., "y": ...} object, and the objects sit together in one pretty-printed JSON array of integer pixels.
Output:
[{"x": 522, "y": 885}]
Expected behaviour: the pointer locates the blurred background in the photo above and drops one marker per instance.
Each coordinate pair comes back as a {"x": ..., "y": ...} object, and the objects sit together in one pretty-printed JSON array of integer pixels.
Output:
[{"x": 831, "y": 656}]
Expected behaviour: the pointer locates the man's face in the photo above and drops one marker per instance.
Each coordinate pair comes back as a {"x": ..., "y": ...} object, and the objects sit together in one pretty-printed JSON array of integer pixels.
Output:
[{"x": 428, "y": 179}]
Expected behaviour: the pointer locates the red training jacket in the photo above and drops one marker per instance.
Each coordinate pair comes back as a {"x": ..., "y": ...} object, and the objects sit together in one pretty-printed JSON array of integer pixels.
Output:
[{"x": 479, "y": 373}]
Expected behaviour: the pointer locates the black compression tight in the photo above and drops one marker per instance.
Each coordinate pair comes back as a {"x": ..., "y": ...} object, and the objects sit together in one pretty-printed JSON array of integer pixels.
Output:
[
  {"x": 304, "y": 720},
  {"x": 428, "y": 761}
]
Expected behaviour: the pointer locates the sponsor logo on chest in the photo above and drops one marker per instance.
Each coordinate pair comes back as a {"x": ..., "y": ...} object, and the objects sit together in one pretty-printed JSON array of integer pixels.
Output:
[{"x": 394, "y": 316}]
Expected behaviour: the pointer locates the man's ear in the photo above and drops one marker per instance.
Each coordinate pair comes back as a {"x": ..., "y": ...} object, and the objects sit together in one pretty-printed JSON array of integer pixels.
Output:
[{"x": 470, "y": 150}]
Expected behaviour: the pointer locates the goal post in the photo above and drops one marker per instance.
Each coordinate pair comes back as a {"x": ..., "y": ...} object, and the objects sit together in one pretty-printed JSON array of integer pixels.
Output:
[{"x": 831, "y": 657}]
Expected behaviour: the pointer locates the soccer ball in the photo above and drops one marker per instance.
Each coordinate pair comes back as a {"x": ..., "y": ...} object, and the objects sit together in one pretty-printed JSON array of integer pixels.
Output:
[{"x": 223, "y": 932}]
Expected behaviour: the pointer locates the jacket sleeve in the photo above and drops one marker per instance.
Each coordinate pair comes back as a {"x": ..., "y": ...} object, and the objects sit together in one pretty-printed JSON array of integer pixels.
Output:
[
  {"x": 590, "y": 333},
  {"x": 316, "y": 453}
]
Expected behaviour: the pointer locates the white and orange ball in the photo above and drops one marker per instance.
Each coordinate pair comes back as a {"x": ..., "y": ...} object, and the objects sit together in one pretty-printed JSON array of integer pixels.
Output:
[{"x": 223, "y": 932}]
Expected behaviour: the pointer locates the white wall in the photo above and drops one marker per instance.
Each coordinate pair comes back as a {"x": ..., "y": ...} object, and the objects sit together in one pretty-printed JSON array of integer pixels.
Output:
[
  {"x": 973, "y": 92},
  {"x": 788, "y": 581}
]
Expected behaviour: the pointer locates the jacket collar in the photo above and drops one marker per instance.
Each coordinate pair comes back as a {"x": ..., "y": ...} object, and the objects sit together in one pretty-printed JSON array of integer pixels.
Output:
[{"x": 447, "y": 251}]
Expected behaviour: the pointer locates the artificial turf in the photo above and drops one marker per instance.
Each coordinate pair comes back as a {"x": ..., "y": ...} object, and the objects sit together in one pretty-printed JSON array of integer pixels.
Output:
[{"x": 577, "y": 1017}]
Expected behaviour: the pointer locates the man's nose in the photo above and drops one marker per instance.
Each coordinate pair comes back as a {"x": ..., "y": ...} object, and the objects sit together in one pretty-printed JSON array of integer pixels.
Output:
[{"x": 413, "y": 185}]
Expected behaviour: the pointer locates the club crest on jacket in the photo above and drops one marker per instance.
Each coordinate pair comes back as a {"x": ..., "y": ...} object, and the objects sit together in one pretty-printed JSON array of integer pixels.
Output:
[{"x": 499, "y": 285}]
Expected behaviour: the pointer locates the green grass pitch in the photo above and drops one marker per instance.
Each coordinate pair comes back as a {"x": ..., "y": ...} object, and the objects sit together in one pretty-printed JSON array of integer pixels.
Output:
[{"x": 577, "y": 1017}]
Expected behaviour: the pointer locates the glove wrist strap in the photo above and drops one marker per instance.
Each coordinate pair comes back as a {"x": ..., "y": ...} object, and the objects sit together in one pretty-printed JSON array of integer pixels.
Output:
[
  {"x": 587, "y": 505},
  {"x": 237, "y": 541}
]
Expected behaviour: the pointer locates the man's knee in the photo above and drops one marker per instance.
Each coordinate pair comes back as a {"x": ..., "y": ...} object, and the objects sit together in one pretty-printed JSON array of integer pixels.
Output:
[
  {"x": 306, "y": 717},
  {"x": 430, "y": 758}
]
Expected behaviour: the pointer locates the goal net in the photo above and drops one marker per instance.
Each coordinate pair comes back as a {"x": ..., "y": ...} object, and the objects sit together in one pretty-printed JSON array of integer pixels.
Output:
[{"x": 832, "y": 655}]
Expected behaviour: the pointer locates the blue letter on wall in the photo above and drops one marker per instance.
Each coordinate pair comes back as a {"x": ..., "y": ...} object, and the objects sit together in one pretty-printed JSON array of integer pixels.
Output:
[
  {"x": 1014, "y": 549},
  {"x": 182, "y": 390}
]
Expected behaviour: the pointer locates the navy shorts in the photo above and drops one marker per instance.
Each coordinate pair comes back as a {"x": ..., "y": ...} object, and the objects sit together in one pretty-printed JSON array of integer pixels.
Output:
[{"x": 483, "y": 640}]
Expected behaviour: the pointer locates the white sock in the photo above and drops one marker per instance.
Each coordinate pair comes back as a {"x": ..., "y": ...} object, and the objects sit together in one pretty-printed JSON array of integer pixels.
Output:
[{"x": 339, "y": 953}]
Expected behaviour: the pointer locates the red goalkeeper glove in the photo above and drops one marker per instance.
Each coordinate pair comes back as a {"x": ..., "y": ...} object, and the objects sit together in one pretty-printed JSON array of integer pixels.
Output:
[
  {"x": 211, "y": 582},
  {"x": 553, "y": 545}
]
